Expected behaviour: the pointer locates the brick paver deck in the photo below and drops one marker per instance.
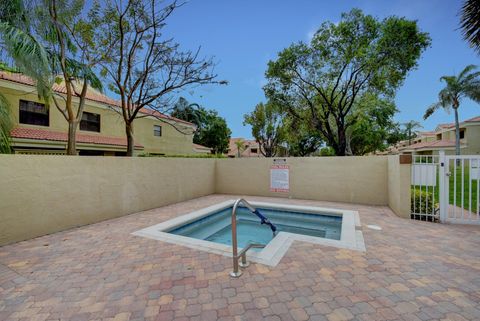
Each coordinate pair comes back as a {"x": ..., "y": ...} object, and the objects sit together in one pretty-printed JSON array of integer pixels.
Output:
[{"x": 411, "y": 271}]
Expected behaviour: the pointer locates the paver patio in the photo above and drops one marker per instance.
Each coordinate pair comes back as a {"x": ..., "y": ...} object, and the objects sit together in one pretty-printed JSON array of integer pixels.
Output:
[{"x": 412, "y": 270}]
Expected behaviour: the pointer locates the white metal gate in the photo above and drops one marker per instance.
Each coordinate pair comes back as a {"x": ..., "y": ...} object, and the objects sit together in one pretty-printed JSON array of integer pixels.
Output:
[
  {"x": 446, "y": 188},
  {"x": 460, "y": 203}
]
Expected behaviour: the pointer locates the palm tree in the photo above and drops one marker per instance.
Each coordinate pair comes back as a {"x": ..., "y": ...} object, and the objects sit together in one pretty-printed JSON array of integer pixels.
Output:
[
  {"x": 47, "y": 53},
  {"x": 410, "y": 128},
  {"x": 465, "y": 85},
  {"x": 240, "y": 147},
  {"x": 470, "y": 23},
  {"x": 6, "y": 125}
]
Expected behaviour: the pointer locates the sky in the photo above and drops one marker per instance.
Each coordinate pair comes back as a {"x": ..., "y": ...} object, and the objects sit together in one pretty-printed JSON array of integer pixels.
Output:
[{"x": 243, "y": 36}]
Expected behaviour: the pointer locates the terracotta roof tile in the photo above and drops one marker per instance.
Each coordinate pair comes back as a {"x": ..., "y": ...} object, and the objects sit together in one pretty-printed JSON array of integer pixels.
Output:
[
  {"x": 201, "y": 146},
  {"x": 92, "y": 95},
  {"x": 44, "y": 134},
  {"x": 434, "y": 144}
]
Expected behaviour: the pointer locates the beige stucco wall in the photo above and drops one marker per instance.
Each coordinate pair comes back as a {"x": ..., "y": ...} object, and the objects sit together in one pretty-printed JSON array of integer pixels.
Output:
[
  {"x": 360, "y": 180},
  {"x": 398, "y": 179},
  {"x": 46, "y": 194}
]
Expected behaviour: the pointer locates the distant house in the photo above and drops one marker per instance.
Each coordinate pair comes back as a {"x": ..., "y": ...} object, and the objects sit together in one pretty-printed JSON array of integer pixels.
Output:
[
  {"x": 42, "y": 130},
  {"x": 250, "y": 148},
  {"x": 200, "y": 149},
  {"x": 443, "y": 138}
]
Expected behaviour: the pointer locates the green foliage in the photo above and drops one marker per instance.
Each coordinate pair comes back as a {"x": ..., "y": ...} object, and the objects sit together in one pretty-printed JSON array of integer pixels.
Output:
[
  {"x": 470, "y": 23},
  {"x": 240, "y": 144},
  {"x": 212, "y": 130},
  {"x": 410, "y": 130},
  {"x": 6, "y": 125},
  {"x": 373, "y": 124},
  {"x": 464, "y": 85},
  {"x": 327, "y": 151},
  {"x": 422, "y": 202},
  {"x": 300, "y": 138},
  {"x": 323, "y": 82},
  {"x": 267, "y": 127}
]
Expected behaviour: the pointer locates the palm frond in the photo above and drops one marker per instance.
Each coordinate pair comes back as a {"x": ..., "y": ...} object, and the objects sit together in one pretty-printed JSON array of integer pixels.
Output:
[
  {"x": 6, "y": 125},
  {"x": 82, "y": 72},
  {"x": 29, "y": 55},
  {"x": 472, "y": 91},
  {"x": 430, "y": 110},
  {"x": 470, "y": 23},
  {"x": 467, "y": 71}
]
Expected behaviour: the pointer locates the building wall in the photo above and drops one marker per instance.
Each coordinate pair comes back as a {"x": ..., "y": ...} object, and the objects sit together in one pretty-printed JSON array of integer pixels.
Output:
[
  {"x": 360, "y": 180},
  {"x": 172, "y": 141},
  {"x": 472, "y": 136},
  {"x": 46, "y": 194}
]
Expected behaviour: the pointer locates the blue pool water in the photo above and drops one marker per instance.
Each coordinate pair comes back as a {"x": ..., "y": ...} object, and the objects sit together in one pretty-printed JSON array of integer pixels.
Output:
[{"x": 216, "y": 227}]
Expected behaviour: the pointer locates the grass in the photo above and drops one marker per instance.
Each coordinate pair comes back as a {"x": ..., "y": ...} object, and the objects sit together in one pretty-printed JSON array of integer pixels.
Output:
[{"x": 455, "y": 194}]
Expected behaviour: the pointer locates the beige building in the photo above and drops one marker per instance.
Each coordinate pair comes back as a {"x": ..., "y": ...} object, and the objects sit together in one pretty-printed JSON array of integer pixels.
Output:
[
  {"x": 42, "y": 130},
  {"x": 250, "y": 148},
  {"x": 200, "y": 149},
  {"x": 443, "y": 138}
]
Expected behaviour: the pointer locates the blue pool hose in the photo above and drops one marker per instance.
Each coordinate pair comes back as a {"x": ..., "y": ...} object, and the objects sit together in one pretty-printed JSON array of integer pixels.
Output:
[{"x": 265, "y": 220}]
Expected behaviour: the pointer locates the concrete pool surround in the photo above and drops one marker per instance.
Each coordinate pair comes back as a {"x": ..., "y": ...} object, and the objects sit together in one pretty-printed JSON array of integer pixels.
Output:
[{"x": 351, "y": 235}]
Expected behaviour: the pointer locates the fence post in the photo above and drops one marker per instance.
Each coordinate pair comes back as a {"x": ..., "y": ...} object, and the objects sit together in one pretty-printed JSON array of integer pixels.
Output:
[{"x": 443, "y": 202}]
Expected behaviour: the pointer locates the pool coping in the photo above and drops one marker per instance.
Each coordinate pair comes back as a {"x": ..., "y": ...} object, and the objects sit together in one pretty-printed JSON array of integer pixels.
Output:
[{"x": 351, "y": 234}]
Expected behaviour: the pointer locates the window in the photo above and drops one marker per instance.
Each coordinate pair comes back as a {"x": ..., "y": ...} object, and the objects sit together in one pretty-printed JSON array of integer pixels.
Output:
[
  {"x": 462, "y": 133},
  {"x": 439, "y": 136},
  {"x": 157, "y": 130},
  {"x": 33, "y": 113},
  {"x": 90, "y": 122},
  {"x": 254, "y": 150}
]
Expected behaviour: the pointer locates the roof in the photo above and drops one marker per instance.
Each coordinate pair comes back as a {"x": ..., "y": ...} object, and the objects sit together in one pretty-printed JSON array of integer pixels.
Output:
[
  {"x": 451, "y": 125},
  {"x": 428, "y": 133},
  {"x": 45, "y": 134},
  {"x": 432, "y": 145},
  {"x": 92, "y": 95},
  {"x": 198, "y": 146}
]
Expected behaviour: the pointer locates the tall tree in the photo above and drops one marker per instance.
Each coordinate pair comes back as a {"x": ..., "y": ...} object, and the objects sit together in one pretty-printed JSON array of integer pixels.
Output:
[
  {"x": 411, "y": 128},
  {"x": 146, "y": 69},
  {"x": 464, "y": 85},
  {"x": 214, "y": 133},
  {"x": 470, "y": 23},
  {"x": 321, "y": 82},
  {"x": 301, "y": 140},
  {"x": 212, "y": 130},
  {"x": 374, "y": 127},
  {"x": 267, "y": 127},
  {"x": 43, "y": 40}
]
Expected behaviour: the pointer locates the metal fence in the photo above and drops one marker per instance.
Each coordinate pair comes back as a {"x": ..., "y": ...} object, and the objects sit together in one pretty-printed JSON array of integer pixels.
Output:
[{"x": 446, "y": 188}]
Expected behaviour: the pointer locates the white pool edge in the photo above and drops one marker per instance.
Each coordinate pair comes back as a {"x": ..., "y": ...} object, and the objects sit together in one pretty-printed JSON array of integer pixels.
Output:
[{"x": 351, "y": 235}]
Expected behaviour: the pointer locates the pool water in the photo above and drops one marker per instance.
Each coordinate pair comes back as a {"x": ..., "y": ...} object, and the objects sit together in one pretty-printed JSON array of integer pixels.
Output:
[{"x": 217, "y": 227}]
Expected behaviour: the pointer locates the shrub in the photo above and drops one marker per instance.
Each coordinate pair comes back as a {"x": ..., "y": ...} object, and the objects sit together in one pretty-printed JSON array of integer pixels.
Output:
[{"x": 427, "y": 204}]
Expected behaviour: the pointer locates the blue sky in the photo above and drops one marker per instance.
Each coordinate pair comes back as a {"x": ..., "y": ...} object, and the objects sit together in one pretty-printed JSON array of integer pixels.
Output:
[{"x": 244, "y": 35}]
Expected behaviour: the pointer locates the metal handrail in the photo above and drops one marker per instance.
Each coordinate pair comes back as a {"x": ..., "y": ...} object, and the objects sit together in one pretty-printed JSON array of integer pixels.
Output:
[{"x": 236, "y": 256}]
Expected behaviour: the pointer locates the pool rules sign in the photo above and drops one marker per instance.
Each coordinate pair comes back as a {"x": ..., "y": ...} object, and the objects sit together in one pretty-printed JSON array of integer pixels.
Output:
[{"x": 279, "y": 178}]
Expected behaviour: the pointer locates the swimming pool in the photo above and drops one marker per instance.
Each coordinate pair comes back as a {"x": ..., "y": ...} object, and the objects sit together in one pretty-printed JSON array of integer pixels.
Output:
[
  {"x": 209, "y": 229},
  {"x": 217, "y": 227}
]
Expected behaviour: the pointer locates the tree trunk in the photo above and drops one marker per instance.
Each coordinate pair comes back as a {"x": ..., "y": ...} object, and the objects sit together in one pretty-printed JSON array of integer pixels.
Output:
[
  {"x": 457, "y": 133},
  {"x": 72, "y": 139},
  {"x": 342, "y": 143},
  {"x": 130, "y": 142}
]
